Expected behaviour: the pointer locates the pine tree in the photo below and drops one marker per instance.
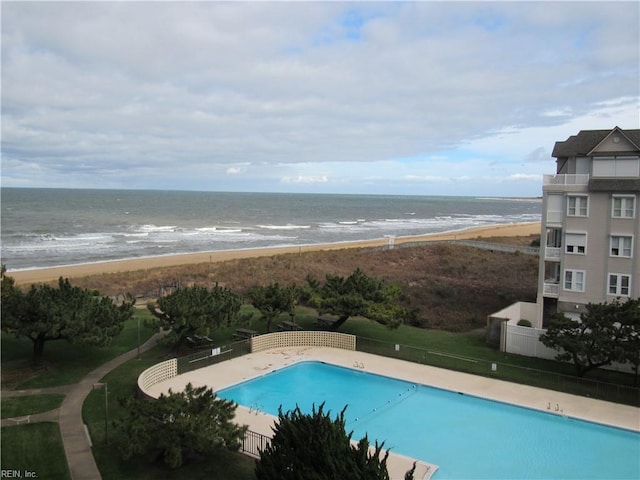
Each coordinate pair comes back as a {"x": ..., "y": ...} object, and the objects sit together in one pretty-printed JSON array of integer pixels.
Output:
[{"x": 316, "y": 447}]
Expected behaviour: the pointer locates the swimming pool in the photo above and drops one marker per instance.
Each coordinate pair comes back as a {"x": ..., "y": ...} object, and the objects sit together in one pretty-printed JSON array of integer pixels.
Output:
[{"x": 467, "y": 437}]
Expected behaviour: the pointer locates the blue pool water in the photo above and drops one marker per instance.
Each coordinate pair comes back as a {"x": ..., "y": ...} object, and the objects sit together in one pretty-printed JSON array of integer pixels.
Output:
[{"x": 466, "y": 436}]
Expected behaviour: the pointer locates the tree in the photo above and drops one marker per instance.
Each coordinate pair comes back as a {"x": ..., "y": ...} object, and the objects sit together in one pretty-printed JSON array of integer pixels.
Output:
[
  {"x": 273, "y": 300},
  {"x": 316, "y": 447},
  {"x": 629, "y": 317},
  {"x": 195, "y": 311},
  {"x": 45, "y": 313},
  {"x": 357, "y": 294},
  {"x": 603, "y": 335},
  {"x": 177, "y": 426}
]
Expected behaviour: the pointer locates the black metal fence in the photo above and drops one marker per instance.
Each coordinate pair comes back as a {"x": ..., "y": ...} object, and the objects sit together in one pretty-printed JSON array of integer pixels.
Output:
[
  {"x": 502, "y": 371},
  {"x": 213, "y": 355},
  {"x": 254, "y": 443}
]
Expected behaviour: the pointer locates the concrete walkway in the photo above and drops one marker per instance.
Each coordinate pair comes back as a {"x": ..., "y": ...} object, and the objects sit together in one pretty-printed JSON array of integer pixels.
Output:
[{"x": 82, "y": 464}]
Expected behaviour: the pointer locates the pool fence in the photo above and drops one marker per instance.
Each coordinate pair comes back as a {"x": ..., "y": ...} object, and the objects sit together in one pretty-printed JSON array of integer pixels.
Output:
[
  {"x": 254, "y": 442},
  {"x": 502, "y": 371}
]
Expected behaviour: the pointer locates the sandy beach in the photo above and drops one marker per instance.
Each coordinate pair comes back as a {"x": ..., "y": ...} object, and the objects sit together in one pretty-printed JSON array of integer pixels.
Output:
[{"x": 75, "y": 271}]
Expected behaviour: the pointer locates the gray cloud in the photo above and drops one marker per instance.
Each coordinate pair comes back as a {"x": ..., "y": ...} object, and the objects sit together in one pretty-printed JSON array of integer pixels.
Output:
[
  {"x": 540, "y": 154},
  {"x": 178, "y": 91}
]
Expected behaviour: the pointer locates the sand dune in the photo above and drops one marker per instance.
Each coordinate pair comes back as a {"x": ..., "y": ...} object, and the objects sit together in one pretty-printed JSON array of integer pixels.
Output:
[{"x": 48, "y": 274}]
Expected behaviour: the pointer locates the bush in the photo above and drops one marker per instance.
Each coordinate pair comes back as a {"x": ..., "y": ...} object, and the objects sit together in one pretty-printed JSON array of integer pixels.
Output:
[
  {"x": 318, "y": 447},
  {"x": 525, "y": 323}
]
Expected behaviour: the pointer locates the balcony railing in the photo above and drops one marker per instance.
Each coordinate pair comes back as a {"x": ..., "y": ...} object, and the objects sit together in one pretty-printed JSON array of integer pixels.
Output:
[
  {"x": 551, "y": 289},
  {"x": 566, "y": 179},
  {"x": 552, "y": 252}
]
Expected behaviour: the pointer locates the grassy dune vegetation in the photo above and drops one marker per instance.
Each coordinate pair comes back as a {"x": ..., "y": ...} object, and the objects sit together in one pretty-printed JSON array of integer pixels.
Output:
[{"x": 449, "y": 287}]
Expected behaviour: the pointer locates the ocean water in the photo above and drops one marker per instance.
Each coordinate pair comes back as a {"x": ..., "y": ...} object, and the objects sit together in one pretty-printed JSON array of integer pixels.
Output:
[{"x": 53, "y": 227}]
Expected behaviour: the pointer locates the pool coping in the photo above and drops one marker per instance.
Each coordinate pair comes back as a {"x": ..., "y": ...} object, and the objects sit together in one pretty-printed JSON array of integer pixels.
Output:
[{"x": 231, "y": 372}]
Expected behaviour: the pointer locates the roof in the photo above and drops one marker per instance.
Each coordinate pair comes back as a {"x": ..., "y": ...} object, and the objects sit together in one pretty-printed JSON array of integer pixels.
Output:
[{"x": 586, "y": 140}]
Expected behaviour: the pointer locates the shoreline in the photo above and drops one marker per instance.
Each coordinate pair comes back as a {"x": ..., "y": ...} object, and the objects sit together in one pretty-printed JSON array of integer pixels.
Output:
[{"x": 47, "y": 274}]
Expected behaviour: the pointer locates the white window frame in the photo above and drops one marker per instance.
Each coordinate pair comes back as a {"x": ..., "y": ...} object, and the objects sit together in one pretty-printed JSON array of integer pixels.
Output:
[
  {"x": 618, "y": 284},
  {"x": 624, "y": 200},
  {"x": 575, "y": 243},
  {"x": 575, "y": 278},
  {"x": 581, "y": 203},
  {"x": 617, "y": 246}
]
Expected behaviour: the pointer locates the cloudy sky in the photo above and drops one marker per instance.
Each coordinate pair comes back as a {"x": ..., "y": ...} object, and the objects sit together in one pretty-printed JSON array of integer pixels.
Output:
[{"x": 426, "y": 98}]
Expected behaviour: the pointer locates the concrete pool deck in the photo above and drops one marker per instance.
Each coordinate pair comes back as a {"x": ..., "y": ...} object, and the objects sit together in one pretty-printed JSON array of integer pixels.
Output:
[{"x": 253, "y": 365}]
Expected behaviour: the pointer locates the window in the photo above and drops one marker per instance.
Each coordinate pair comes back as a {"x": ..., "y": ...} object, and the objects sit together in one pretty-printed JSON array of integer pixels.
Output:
[
  {"x": 576, "y": 243},
  {"x": 623, "y": 207},
  {"x": 619, "y": 284},
  {"x": 574, "y": 280},
  {"x": 616, "y": 167},
  {"x": 620, "y": 246},
  {"x": 577, "y": 206}
]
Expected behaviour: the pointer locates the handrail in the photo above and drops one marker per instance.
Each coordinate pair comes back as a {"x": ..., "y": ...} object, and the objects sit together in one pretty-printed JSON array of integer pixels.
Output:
[{"x": 566, "y": 179}]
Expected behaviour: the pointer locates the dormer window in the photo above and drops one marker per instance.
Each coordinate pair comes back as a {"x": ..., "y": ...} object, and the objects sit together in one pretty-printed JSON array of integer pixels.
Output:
[{"x": 616, "y": 167}]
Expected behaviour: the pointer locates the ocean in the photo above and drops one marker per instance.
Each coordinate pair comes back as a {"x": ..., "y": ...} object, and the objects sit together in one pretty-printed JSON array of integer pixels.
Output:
[{"x": 55, "y": 227}]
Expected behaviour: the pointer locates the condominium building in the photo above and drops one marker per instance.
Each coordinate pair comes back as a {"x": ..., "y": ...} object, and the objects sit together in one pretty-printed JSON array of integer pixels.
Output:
[{"x": 590, "y": 235}]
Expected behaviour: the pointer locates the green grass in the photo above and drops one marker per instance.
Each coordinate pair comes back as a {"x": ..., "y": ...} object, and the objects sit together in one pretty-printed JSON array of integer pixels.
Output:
[
  {"x": 221, "y": 466},
  {"x": 35, "y": 447},
  {"x": 121, "y": 383},
  {"x": 470, "y": 344},
  {"x": 67, "y": 363},
  {"x": 225, "y": 466},
  {"x": 29, "y": 405}
]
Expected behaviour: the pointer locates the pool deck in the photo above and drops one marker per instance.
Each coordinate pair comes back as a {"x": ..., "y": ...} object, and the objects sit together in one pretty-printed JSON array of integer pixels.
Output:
[{"x": 252, "y": 365}]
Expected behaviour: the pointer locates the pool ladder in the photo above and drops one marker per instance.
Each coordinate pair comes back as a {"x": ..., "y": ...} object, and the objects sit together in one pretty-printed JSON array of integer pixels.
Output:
[
  {"x": 255, "y": 408},
  {"x": 557, "y": 408}
]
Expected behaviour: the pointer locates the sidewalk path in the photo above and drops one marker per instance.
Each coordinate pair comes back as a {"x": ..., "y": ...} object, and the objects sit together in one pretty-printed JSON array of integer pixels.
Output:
[{"x": 82, "y": 464}]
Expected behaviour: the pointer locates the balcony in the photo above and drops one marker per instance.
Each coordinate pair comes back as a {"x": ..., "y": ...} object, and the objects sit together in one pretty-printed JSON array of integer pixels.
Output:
[
  {"x": 566, "y": 179},
  {"x": 551, "y": 289},
  {"x": 552, "y": 253},
  {"x": 555, "y": 217}
]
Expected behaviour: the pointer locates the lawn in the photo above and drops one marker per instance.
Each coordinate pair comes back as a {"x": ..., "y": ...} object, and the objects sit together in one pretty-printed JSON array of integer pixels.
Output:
[
  {"x": 122, "y": 382},
  {"x": 30, "y": 405},
  {"x": 35, "y": 447},
  {"x": 38, "y": 447},
  {"x": 65, "y": 363}
]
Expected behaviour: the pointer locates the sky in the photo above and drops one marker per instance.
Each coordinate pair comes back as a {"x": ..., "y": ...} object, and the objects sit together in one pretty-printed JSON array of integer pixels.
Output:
[{"x": 415, "y": 98}]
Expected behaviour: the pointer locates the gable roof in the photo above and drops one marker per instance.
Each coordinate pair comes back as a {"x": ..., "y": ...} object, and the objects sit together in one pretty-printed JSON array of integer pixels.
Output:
[{"x": 586, "y": 140}]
